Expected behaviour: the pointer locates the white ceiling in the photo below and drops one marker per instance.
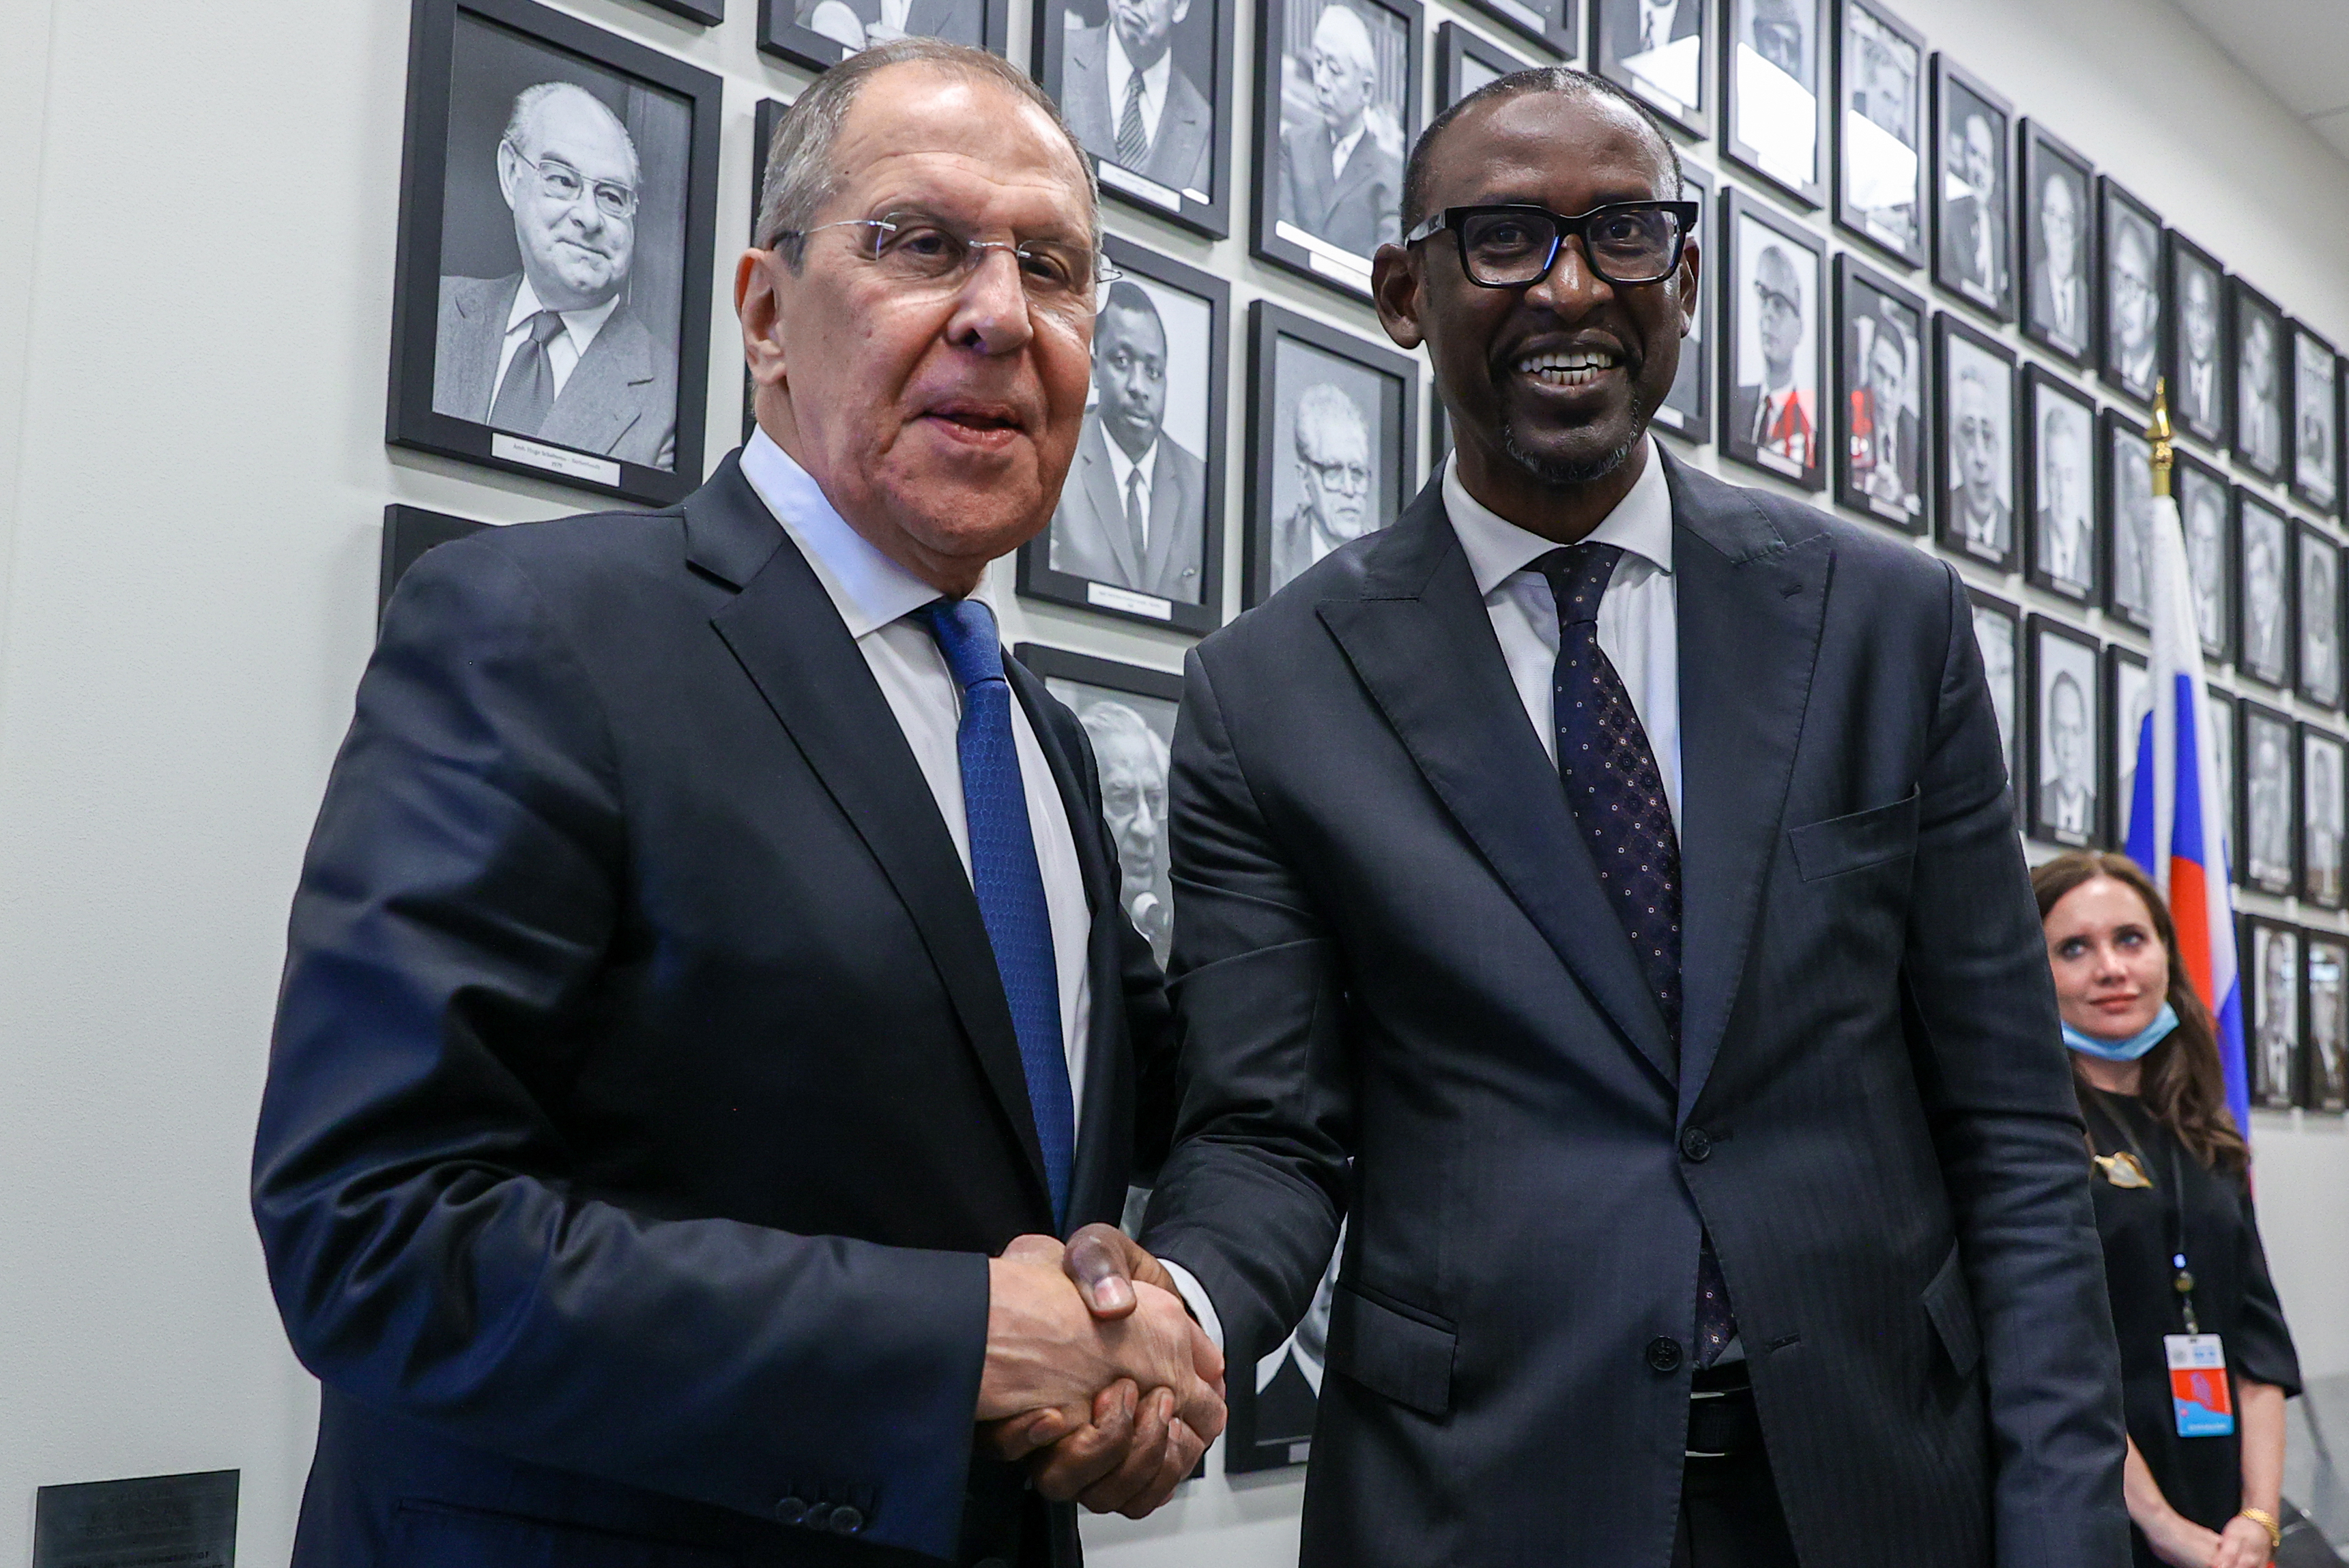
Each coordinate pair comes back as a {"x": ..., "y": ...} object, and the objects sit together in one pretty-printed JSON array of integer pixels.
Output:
[{"x": 2297, "y": 49}]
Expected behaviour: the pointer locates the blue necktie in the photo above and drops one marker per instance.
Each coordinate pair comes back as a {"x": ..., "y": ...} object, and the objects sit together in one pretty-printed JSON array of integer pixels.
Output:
[{"x": 1004, "y": 873}]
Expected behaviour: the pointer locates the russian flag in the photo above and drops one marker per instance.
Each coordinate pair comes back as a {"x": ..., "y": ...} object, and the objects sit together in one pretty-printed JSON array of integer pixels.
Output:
[{"x": 2173, "y": 831}]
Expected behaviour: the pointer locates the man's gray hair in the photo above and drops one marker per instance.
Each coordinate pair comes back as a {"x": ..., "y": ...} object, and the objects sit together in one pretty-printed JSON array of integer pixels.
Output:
[
  {"x": 1109, "y": 724},
  {"x": 1320, "y": 406},
  {"x": 801, "y": 174},
  {"x": 525, "y": 110}
]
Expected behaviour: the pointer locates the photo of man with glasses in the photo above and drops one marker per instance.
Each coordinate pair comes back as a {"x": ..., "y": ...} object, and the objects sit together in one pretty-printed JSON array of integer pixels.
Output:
[
  {"x": 552, "y": 350},
  {"x": 2133, "y": 301},
  {"x": 1336, "y": 482},
  {"x": 1774, "y": 412}
]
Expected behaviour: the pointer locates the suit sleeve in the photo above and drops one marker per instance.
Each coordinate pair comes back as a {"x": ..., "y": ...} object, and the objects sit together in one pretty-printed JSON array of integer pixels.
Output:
[
  {"x": 1251, "y": 1199},
  {"x": 430, "y": 1248},
  {"x": 1981, "y": 1012}
]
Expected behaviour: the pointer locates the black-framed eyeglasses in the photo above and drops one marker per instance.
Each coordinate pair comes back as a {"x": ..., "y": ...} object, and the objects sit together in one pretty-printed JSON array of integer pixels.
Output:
[{"x": 1509, "y": 247}]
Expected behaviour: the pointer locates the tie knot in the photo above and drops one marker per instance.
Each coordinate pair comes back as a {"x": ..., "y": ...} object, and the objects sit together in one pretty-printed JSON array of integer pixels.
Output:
[
  {"x": 1578, "y": 578},
  {"x": 965, "y": 630},
  {"x": 544, "y": 326}
]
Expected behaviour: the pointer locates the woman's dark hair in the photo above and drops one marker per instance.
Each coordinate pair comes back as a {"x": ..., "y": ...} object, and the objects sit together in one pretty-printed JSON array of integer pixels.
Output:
[{"x": 2183, "y": 1084}]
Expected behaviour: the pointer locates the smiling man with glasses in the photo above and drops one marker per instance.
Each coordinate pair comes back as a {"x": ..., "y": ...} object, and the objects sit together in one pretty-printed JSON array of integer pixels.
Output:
[{"x": 1600, "y": 890}]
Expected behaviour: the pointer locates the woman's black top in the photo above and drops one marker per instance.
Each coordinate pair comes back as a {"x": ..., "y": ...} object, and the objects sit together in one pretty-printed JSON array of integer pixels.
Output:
[{"x": 2233, "y": 1299}]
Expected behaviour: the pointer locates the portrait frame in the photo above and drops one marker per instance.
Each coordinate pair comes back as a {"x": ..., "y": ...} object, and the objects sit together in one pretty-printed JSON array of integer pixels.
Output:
[
  {"x": 1686, "y": 412},
  {"x": 2205, "y": 498},
  {"x": 1744, "y": 86},
  {"x": 1858, "y": 150},
  {"x": 2127, "y": 680},
  {"x": 2318, "y": 822},
  {"x": 1039, "y": 579},
  {"x": 1987, "y": 608},
  {"x": 1462, "y": 52},
  {"x": 2269, "y": 823},
  {"x": 1612, "y": 22},
  {"x": 1290, "y": 246},
  {"x": 2043, "y": 558},
  {"x": 2247, "y": 308},
  {"x": 1205, "y": 211},
  {"x": 2320, "y": 491},
  {"x": 1864, "y": 298},
  {"x": 763, "y": 120},
  {"x": 2272, "y": 1074},
  {"x": 1561, "y": 36},
  {"x": 2260, "y": 522},
  {"x": 1954, "y": 340},
  {"x": 2324, "y": 1063},
  {"x": 781, "y": 35},
  {"x": 2317, "y": 664},
  {"x": 2043, "y": 153},
  {"x": 1738, "y": 211},
  {"x": 709, "y": 13},
  {"x": 2059, "y": 651},
  {"x": 2224, "y": 725},
  {"x": 2210, "y": 426},
  {"x": 2117, "y": 209},
  {"x": 408, "y": 532},
  {"x": 1993, "y": 297},
  {"x": 1397, "y": 426},
  {"x": 2128, "y": 552},
  {"x": 411, "y": 420}
]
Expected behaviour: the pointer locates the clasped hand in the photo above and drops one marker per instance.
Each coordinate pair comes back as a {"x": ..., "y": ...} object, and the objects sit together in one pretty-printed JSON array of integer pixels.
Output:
[{"x": 1096, "y": 1377}]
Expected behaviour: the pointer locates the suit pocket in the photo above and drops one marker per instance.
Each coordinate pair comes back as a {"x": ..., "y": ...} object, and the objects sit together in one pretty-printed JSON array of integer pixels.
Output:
[
  {"x": 1950, "y": 1306},
  {"x": 1864, "y": 839},
  {"x": 1392, "y": 1350},
  {"x": 438, "y": 1535}
]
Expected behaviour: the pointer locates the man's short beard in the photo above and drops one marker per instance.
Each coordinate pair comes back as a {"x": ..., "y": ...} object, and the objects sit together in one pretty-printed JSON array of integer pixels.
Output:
[{"x": 1550, "y": 471}]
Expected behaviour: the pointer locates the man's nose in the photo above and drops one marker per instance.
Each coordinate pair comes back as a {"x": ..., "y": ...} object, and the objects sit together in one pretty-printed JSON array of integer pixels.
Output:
[
  {"x": 1571, "y": 288},
  {"x": 991, "y": 310}
]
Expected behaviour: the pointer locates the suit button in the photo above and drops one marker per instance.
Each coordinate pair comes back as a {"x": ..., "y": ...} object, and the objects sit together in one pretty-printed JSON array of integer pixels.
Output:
[
  {"x": 1696, "y": 1144},
  {"x": 1665, "y": 1355},
  {"x": 846, "y": 1521},
  {"x": 792, "y": 1509}
]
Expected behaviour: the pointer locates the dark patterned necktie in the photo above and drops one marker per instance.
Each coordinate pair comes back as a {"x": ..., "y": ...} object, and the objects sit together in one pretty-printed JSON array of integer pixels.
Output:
[
  {"x": 528, "y": 390},
  {"x": 1616, "y": 792},
  {"x": 1133, "y": 145}
]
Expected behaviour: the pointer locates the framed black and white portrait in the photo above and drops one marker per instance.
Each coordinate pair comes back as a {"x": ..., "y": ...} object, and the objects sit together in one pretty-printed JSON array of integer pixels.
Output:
[
  {"x": 558, "y": 205},
  {"x": 2264, "y": 597},
  {"x": 1465, "y": 61},
  {"x": 2066, "y": 724},
  {"x": 1272, "y": 1396},
  {"x": 1974, "y": 398},
  {"x": 1146, "y": 85},
  {"x": 1139, "y": 533},
  {"x": 2324, "y": 1065},
  {"x": 408, "y": 532},
  {"x": 820, "y": 33},
  {"x": 2059, "y": 430},
  {"x": 1687, "y": 409},
  {"x": 1657, "y": 48},
  {"x": 1775, "y": 78},
  {"x": 1973, "y": 157},
  {"x": 1555, "y": 25},
  {"x": 1775, "y": 364},
  {"x": 2224, "y": 727},
  {"x": 2316, "y": 573},
  {"x": 1998, "y": 630},
  {"x": 2263, "y": 387},
  {"x": 2267, "y": 751},
  {"x": 2059, "y": 257},
  {"x": 1880, "y": 441},
  {"x": 2198, "y": 389},
  {"x": 1337, "y": 109},
  {"x": 2128, "y": 352},
  {"x": 2321, "y": 804},
  {"x": 2272, "y": 952},
  {"x": 2315, "y": 421},
  {"x": 2128, "y": 702},
  {"x": 2125, "y": 492},
  {"x": 1881, "y": 160},
  {"x": 2206, "y": 508},
  {"x": 764, "y": 119},
  {"x": 1329, "y": 442},
  {"x": 1128, "y": 712}
]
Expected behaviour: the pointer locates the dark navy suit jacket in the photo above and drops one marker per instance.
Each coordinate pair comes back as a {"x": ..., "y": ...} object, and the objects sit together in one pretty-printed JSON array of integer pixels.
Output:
[
  {"x": 644, "y": 1100},
  {"x": 1391, "y": 944}
]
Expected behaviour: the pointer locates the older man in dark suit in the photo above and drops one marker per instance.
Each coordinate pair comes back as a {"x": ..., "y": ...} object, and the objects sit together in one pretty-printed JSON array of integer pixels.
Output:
[
  {"x": 1130, "y": 103},
  {"x": 552, "y": 351},
  {"x": 1339, "y": 181}
]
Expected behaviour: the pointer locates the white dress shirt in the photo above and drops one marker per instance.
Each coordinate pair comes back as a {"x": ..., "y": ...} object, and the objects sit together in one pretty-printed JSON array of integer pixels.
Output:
[
  {"x": 876, "y": 598},
  {"x": 1153, "y": 87},
  {"x": 565, "y": 349},
  {"x": 1121, "y": 468},
  {"x": 1343, "y": 148}
]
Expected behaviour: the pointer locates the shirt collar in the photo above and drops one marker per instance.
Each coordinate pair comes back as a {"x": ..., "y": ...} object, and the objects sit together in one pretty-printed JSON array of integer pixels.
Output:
[
  {"x": 581, "y": 324},
  {"x": 1641, "y": 525},
  {"x": 1120, "y": 465},
  {"x": 868, "y": 589},
  {"x": 1153, "y": 78}
]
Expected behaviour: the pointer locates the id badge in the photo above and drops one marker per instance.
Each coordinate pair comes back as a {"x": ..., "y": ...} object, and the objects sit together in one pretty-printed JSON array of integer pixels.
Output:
[{"x": 2198, "y": 1385}]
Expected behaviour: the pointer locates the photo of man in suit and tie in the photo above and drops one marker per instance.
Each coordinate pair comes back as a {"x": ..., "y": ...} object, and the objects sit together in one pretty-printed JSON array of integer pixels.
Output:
[
  {"x": 1341, "y": 129},
  {"x": 1774, "y": 411},
  {"x": 1883, "y": 355},
  {"x": 559, "y": 349},
  {"x": 1978, "y": 393},
  {"x": 2068, "y": 757},
  {"x": 1129, "y": 98},
  {"x": 857, "y": 25},
  {"x": 2133, "y": 303},
  {"x": 1135, "y": 510},
  {"x": 1656, "y": 47},
  {"x": 2258, "y": 385},
  {"x": 1973, "y": 200},
  {"x": 2059, "y": 281},
  {"x": 2199, "y": 393},
  {"x": 1331, "y": 494},
  {"x": 2064, "y": 454}
]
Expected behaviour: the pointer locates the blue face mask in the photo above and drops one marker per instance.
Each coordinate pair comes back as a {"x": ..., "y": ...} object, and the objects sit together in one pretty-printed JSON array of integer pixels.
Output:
[{"x": 2126, "y": 1050}]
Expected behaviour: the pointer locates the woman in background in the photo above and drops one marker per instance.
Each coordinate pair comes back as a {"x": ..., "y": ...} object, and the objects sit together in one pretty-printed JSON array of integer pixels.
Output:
[{"x": 2183, "y": 1262}]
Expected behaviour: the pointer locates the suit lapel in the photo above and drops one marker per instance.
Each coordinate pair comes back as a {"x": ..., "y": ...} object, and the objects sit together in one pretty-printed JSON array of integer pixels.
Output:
[
  {"x": 597, "y": 403},
  {"x": 485, "y": 340},
  {"x": 783, "y": 630},
  {"x": 1101, "y": 485},
  {"x": 1750, "y": 602},
  {"x": 1167, "y": 507},
  {"x": 1419, "y": 640}
]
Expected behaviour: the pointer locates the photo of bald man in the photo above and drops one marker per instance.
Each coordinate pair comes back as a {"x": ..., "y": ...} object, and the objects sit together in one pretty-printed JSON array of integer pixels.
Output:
[
  {"x": 2056, "y": 231},
  {"x": 1342, "y": 113},
  {"x": 2134, "y": 302}
]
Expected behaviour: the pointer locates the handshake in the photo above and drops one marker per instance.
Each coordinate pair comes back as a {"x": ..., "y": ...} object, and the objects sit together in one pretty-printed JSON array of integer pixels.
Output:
[{"x": 1096, "y": 1378}]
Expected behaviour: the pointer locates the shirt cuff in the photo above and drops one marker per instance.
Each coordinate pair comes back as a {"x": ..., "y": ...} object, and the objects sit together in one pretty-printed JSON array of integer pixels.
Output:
[{"x": 1194, "y": 1297}]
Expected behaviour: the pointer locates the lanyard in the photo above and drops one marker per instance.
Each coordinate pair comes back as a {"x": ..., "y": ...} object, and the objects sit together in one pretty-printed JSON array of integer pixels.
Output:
[{"x": 2184, "y": 1281}]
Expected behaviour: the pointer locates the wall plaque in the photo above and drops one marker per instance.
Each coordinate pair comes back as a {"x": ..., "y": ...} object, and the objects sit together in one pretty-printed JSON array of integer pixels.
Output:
[{"x": 149, "y": 1521}]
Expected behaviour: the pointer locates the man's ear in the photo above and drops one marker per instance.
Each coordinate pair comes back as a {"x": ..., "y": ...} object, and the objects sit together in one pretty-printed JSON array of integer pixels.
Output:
[
  {"x": 1397, "y": 290},
  {"x": 509, "y": 172},
  {"x": 759, "y": 309},
  {"x": 1691, "y": 274}
]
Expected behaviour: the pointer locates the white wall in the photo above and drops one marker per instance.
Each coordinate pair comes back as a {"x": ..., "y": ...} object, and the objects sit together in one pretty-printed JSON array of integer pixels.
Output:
[{"x": 197, "y": 206}]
